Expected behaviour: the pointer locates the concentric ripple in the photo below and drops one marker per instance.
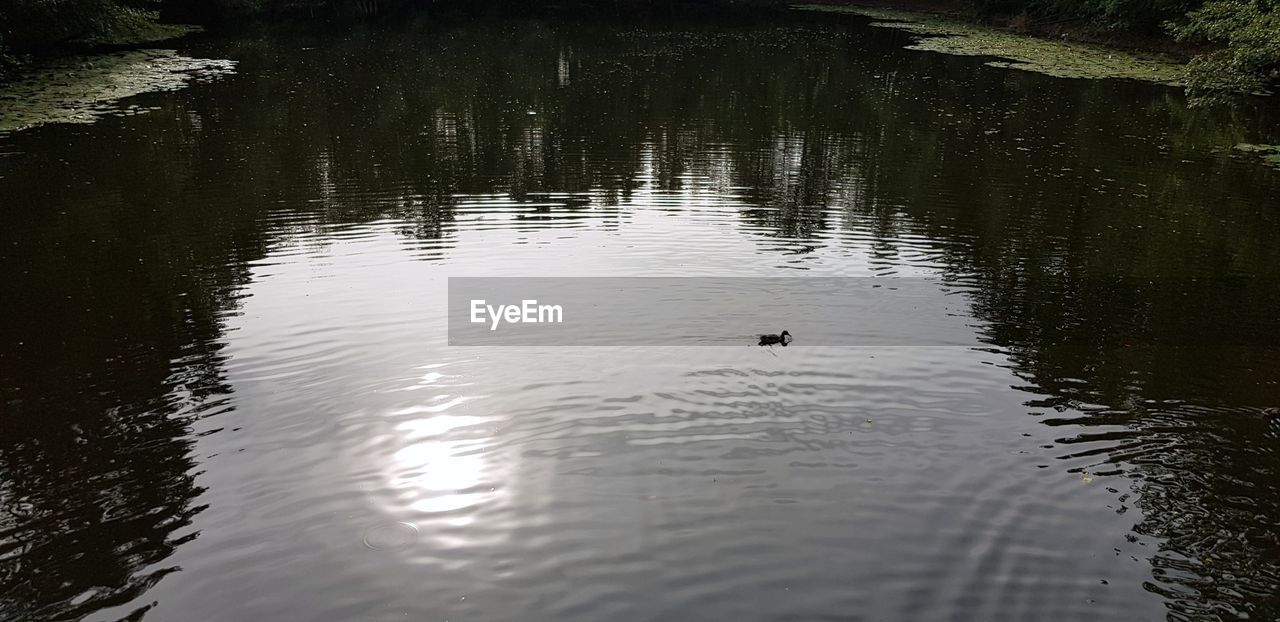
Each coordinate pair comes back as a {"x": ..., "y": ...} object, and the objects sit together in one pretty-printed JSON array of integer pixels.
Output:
[{"x": 228, "y": 393}]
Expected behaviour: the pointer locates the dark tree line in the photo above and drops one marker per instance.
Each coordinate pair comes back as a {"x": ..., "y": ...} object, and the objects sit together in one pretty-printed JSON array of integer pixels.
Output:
[{"x": 1242, "y": 36}]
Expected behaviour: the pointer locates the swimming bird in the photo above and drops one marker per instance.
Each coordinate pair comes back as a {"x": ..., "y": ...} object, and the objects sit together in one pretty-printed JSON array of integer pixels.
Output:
[{"x": 784, "y": 338}]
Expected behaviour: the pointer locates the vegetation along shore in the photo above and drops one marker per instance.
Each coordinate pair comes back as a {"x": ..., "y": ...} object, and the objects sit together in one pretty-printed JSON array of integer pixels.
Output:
[{"x": 1231, "y": 46}]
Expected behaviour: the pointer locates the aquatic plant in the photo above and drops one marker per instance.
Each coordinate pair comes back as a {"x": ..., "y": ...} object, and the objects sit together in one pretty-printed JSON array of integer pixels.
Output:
[
  {"x": 1269, "y": 153},
  {"x": 82, "y": 89},
  {"x": 1056, "y": 58}
]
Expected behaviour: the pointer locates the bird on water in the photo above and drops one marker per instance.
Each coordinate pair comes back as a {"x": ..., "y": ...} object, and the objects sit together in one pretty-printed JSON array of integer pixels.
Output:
[{"x": 782, "y": 338}]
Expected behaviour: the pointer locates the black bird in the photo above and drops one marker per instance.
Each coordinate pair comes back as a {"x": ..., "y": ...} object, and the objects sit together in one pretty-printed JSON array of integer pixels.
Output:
[{"x": 769, "y": 340}]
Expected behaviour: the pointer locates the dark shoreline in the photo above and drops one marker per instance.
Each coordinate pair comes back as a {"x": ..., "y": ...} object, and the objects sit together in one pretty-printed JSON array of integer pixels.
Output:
[{"x": 1073, "y": 29}]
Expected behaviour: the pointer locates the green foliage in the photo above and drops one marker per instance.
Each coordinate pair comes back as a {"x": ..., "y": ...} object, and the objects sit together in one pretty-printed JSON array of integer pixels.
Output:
[
  {"x": 35, "y": 24},
  {"x": 1250, "y": 60},
  {"x": 1246, "y": 31},
  {"x": 121, "y": 25},
  {"x": 1141, "y": 15},
  {"x": 27, "y": 24}
]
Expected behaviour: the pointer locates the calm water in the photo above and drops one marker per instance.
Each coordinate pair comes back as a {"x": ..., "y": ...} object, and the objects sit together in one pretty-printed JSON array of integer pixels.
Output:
[{"x": 227, "y": 393}]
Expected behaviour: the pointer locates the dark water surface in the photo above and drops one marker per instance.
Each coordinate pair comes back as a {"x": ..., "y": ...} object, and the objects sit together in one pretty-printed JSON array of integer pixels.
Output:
[{"x": 227, "y": 392}]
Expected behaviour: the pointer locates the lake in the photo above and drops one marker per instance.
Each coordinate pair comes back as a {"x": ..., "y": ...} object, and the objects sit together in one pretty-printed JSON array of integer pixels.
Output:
[{"x": 229, "y": 393}]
